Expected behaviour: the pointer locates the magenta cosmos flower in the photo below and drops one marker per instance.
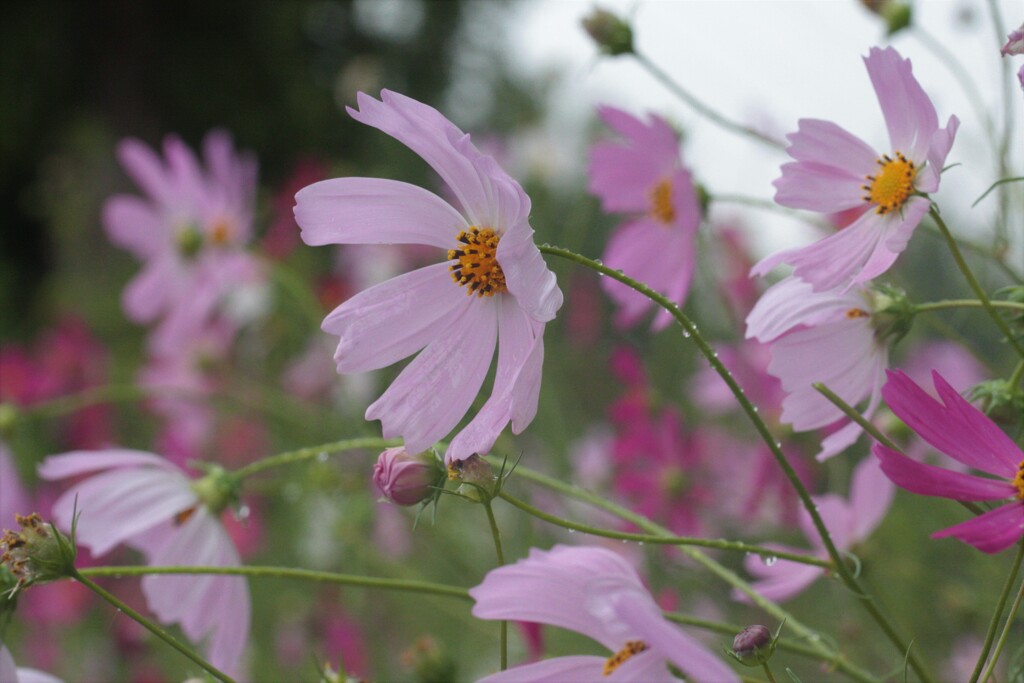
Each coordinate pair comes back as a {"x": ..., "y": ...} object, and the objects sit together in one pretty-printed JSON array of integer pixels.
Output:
[
  {"x": 835, "y": 171},
  {"x": 828, "y": 337},
  {"x": 189, "y": 230},
  {"x": 595, "y": 592},
  {"x": 849, "y": 522},
  {"x": 643, "y": 175},
  {"x": 961, "y": 431},
  {"x": 492, "y": 286},
  {"x": 145, "y": 502}
]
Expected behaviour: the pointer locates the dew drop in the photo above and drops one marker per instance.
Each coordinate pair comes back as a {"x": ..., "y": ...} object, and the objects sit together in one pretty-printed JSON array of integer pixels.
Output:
[
  {"x": 572, "y": 531},
  {"x": 769, "y": 560},
  {"x": 321, "y": 456},
  {"x": 243, "y": 512}
]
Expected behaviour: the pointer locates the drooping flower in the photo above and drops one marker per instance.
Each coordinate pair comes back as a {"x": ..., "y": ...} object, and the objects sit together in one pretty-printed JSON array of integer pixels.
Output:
[
  {"x": 147, "y": 503},
  {"x": 835, "y": 171},
  {"x": 644, "y": 176},
  {"x": 189, "y": 230},
  {"x": 595, "y": 592},
  {"x": 10, "y": 673},
  {"x": 493, "y": 286},
  {"x": 1014, "y": 43},
  {"x": 848, "y": 522},
  {"x": 830, "y": 337},
  {"x": 961, "y": 431}
]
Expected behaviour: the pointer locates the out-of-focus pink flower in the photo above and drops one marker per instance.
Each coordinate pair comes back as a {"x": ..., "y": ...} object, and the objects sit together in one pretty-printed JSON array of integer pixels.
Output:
[
  {"x": 643, "y": 175},
  {"x": 1014, "y": 43},
  {"x": 748, "y": 363},
  {"x": 849, "y": 523},
  {"x": 955, "y": 363},
  {"x": 835, "y": 171},
  {"x": 595, "y": 592},
  {"x": 145, "y": 502},
  {"x": 825, "y": 337},
  {"x": 733, "y": 264},
  {"x": 583, "y": 315},
  {"x": 9, "y": 673},
  {"x": 283, "y": 234},
  {"x": 189, "y": 229},
  {"x": 502, "y": 291},
  {"x": 961, "y": 431}
]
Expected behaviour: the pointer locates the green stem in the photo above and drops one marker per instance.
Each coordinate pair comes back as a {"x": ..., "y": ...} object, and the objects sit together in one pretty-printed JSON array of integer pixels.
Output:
[
  {"x": 973, "y": 282},
  {"x": 701, "y": 108},
  {"x": 997, "y": 615},
  {"x": 289, "y": 573},
  {"x": 655, "y": 539},
  {"x": 311, "y": 452},
  {"x": 151, "y": 627},
  {"x": 768, "y": 673},
  {"x": 1003, "y": 636},
  {"x": 690, "y": 330},
  {"x": 1018, "y": 375},
  {"x": 966, "y": 303},
  {"x": 802, "y": 631},
  {"x": 496, "y": 534},
  {"x": 110, "y": 393}
]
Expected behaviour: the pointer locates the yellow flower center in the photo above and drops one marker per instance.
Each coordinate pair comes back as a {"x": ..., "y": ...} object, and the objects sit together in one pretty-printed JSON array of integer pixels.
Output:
[
  {"x": 220, "y": 233},
  {"x": 854, "y": 313},
  {"x": 893, "y": 184},
  {"x": 661, "y": 203},
  {"x": 633, "y": 647},
  {"x": 1018, "y": 481},
  {"x": 476, "y": 263}
]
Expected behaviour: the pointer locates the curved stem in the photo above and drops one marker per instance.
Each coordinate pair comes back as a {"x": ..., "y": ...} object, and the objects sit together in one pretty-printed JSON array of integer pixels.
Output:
[
  {"x": 728, "y": 576},
  {"x": 655, "y": 539},
  {"x": 496, "y": 534},
  {"x": 966, "y": 303},
  {"x": 854, "y": 415},
  {"x": 973, "y": 282},
  {"x": 289, "y": 573},
  {"x": 151, "y": 627},
  {"x": 701, "y": 108},
  {"x": 690, "y": 330},
  {"x": 311, "y": 452},
  {"x": 768, "y": 673},
  {"x": 1002, "y": 636},
  {"x": 997, "y": 615}
]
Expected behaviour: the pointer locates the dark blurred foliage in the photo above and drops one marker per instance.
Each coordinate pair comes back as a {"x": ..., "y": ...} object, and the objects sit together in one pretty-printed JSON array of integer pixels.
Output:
[{"x": 276, "y": 73}]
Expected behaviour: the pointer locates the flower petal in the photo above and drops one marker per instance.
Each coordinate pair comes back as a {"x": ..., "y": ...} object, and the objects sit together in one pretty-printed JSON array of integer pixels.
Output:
[
  {"x": 395, "y": 319},
  {"x": 527, "y": 275},
  {"x": 375, "y": 211},
  {"x": 637, "y": 610},
  {"x": 516, "y": 383},
  {"x": 792, "y": 303},
  {"x": 991, "y": 532},
  {"x": 871, "y": 494},
  {"x": 929, "y": 480},
  {"x": 928, "y": 178},
  {"x": 556, "y": 670},
  {"x": 82, "y": 462},
  {"x": 436, "y": 389},
  {"x": 147, "y": 170},
  {"x": 133, "y": 224},
  {"x": 780, "y": 580},
  {"x": 151, "y": 291},
  {"x": 954, "y": 427},
  {"x": 909, "y": 114}
]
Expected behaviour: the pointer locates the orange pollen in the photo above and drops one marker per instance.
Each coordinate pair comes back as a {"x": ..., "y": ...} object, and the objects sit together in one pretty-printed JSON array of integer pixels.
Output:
[
  {"x": 857, "y": 313},
  {"x": 220, "y": 234},
  {"x": 1018, "y": 481},
  {"x": 184, "y": 516},
  {"x": 633, "y": 647},
  {"x": 476, "y": 262},
  {"x": 661, "y": 203},
  {"x": 893, "y": 184}
]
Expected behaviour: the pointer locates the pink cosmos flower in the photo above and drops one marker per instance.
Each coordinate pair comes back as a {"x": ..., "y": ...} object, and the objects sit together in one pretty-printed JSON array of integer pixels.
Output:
[
  {"x": 9, "y": 673},
  {"x": 961, "y": 431},
  {"x": 595, "y": 592},
  {"x": 493, "y": 286},
  {"x": 826, "y": 337},
  {"x": 835, "y": 171},
  {"x": 643, "y": 175},
  {"x": 146, "y": 502},
  {"x": 1014, "y": 43},
  {"x": 848, "y": 522},
  {"x": 189, "y": 231}
]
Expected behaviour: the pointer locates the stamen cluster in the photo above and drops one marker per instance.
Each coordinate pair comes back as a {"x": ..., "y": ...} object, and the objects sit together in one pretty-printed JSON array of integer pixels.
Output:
[
  {"x": 661, "y": 203},
  {"x": 893, "y": 184},
  {"x": 476, "y": 266},
  {"x": 632, "y": 647}
]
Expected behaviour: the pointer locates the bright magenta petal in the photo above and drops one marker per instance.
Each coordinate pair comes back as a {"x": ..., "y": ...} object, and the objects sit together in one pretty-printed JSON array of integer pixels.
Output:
[
  {"x": 991, "y": 532},
  {"x": 929, "y": 480}
]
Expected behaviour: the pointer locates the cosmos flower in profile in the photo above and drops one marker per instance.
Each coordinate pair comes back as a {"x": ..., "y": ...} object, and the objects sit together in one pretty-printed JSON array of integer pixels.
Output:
[
  {"x": 643, "y": 176},
  {"x": 835, "y": 171},
  {"x": 595, "y": 592},
  {"x": 144, "y": 501},
  {"x": 961, "y": 431},
  {"x": 491, "y": 287}
]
